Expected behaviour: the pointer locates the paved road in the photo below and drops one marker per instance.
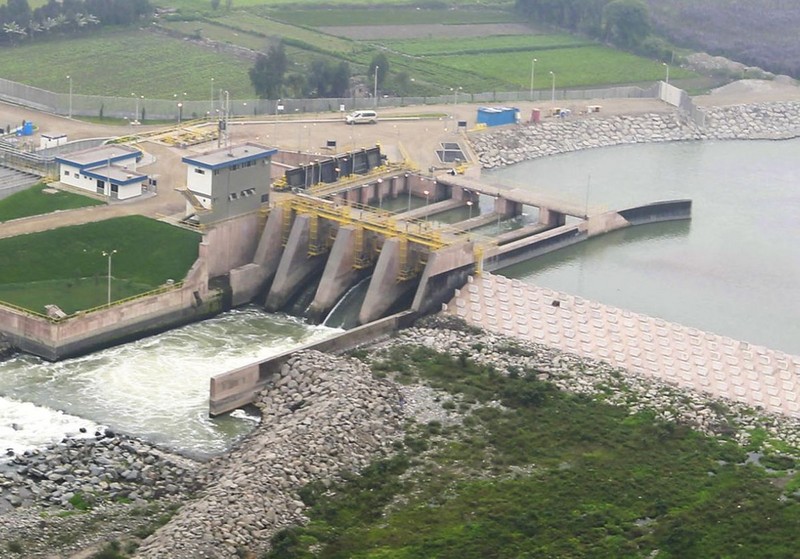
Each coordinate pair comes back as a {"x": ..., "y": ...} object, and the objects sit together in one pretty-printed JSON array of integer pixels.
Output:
[{"x": 416, "y": 131}]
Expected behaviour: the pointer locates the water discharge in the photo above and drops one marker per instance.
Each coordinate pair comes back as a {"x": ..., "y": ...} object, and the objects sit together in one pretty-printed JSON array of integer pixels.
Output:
[{"x": 155, "y": 388}]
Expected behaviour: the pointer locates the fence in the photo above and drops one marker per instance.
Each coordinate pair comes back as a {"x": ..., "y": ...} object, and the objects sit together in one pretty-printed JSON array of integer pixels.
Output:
[{"x": 133, "y": 108}]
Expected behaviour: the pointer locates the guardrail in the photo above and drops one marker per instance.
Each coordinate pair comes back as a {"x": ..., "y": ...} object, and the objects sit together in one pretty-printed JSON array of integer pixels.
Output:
[{"x": 118, "y": 302}]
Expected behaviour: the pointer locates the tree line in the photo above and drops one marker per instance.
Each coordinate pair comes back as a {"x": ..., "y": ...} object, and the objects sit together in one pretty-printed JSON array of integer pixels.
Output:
[
  {"x": 18, "y": 22},
  {"x": 324, "y": 78},
  {"x": 623, "y": 23}
]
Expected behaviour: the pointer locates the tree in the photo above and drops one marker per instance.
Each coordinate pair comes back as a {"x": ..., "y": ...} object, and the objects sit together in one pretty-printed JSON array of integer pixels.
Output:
[
  {"x": 626, "y": 23},
  {"x": 267, "y": 74},
  {"x": 340, "y": 80},
  {"x": 381, "y": 62}
]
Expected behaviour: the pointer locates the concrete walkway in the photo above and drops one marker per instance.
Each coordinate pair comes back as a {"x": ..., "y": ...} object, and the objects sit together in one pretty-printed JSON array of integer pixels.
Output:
[{"x": 651, "y": 347}]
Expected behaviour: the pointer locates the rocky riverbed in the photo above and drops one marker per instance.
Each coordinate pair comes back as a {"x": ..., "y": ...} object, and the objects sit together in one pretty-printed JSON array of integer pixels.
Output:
[
  {"x": 322, "y": 415},
  {"x": 509, "y": 145}
]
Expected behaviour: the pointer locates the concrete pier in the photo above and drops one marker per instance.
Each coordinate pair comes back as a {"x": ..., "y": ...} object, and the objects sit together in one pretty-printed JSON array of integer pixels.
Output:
[
  {"x": 296, "y": 265},
  {"x": 643, "y": 345}
]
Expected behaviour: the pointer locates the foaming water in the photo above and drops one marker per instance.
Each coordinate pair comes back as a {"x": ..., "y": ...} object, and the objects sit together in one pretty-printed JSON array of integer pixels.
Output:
[
  {"x": 157, "y": 388},
  {"x": 24, "y": 425}
]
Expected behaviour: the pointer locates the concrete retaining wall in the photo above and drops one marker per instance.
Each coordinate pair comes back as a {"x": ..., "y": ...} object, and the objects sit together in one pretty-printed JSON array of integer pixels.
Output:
[
  {"x": 100, "y": 329},
  {"x": 554, "y": 239},
  {"x": 237, "y": 388}
]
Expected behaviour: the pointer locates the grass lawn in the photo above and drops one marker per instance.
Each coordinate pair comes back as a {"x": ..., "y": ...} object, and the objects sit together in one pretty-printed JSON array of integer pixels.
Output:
[
  {"x": 535, "y": 472},
  {"x": 35, "y": 201},
  {"x": 66, "y": 266},
  {"x": 133, "y": 61}
]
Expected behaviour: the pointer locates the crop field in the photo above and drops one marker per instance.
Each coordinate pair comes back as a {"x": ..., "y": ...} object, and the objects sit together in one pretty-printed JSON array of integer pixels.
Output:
[
  {"x": 204, "y": 5},
  {"x": 575, "y": 67},
  {"x": 331, "y": 17},
  {"x": 427, "y": 31},
  {"x": 133, "y": 61},
  {"x": 74, "y": 277},
  {"x": 267, "y": 27},
  {"x": 476, "y": 49},
  {"x": 483, "y": 45}
]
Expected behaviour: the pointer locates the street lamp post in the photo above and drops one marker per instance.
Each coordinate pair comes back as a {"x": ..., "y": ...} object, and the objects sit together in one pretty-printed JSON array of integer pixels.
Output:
[
  {"x": 136, "y": 108},
  {"x": 469, "y": 205},
  {"x": 212, "y": 97},
  {"x": 667, "y": 67},
  {"x": 408, "y": 187},
  {"x": 497, "y": 211},
  {"x": 553, "y": 89},
  {"x": 180, "y": 112},
  {"x": 375, "y": 91},
  {"x": 70, "y": 96},
  {"x": 455, "y": 94},
  {"x": 533, "y": 64},
  {"x": 380, "y": 193},
  {"x": 426, "y": 193},
  {"x": 109, "y": 255}
]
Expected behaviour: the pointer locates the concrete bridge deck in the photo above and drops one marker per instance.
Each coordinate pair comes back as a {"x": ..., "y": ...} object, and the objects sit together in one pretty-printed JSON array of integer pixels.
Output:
[
  {"x": 651, "y": 347},
  {"x": 524, "y": 197}
]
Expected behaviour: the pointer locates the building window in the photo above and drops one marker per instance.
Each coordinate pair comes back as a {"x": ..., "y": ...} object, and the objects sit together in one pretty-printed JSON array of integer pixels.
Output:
[
  {"x": 264, "y": 198},
  {"x": 233, "y": 196},
  {"x": 66, "y": 173},
  {"x": 199, "y": 171}
]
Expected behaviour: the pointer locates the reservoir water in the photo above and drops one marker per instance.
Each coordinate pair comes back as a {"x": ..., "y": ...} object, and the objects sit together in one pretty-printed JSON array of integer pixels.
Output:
[
  {"x": 733, "y": 270},
  {"x": 155, "y": 388}
]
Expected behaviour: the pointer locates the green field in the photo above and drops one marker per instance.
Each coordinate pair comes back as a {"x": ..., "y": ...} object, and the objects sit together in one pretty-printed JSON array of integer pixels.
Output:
[
  {"x": 534, "y": 472},
  {"x": 133, "y": 62},
  {"x": 141, "y": 62},
  {"x": 325, "y": 17},
  {"x": 573, "y": 67},
  {"x": 66, "y": 266},
  {"x": 35, "y": 201},
  {"x": 483, "y": 45}
]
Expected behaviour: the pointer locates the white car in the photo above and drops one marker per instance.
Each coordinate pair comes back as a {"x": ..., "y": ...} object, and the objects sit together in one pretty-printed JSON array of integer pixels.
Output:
[{"x": 362, "y": 117}]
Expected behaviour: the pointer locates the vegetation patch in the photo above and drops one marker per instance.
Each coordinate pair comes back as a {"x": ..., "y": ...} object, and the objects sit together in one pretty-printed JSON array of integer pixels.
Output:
[
  {"x": 141, "y": 58},
  {"x": 39, "y": 200},
  {"x": 67, "y": 267},
  {"x": 536, "y": 472},
  {"x": 345, "y": 16}
]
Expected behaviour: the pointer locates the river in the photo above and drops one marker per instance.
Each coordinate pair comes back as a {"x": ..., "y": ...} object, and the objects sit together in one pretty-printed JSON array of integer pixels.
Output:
[
  {"x": 155, "y": 388},
  {"x": 733, "y": 270}
]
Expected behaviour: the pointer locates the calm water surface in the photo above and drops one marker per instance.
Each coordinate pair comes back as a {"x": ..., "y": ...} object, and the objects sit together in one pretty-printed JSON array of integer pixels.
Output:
[{"x": 733, "y": 270}]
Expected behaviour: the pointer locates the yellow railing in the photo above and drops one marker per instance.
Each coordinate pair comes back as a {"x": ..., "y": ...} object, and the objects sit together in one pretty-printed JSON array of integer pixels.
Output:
[{"x": 118, "y": 302}]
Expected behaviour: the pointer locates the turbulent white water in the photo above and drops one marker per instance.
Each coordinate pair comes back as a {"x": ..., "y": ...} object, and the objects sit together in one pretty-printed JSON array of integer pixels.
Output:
[{"x": 155, "y": 388}]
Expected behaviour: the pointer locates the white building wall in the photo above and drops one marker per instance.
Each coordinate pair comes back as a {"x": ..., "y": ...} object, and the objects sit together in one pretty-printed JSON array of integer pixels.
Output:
[
  {"x": 198, "y": 180},
  {"x": 130, "y": 191},
  {"x": 73, "y": 177}
]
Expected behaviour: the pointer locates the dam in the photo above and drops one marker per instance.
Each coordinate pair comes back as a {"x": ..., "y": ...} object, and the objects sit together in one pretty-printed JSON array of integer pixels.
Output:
[{"x": 337, "y": 234}]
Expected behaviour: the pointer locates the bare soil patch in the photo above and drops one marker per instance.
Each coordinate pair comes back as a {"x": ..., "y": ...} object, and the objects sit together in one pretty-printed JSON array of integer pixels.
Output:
[{"x": 426, "y": 31}]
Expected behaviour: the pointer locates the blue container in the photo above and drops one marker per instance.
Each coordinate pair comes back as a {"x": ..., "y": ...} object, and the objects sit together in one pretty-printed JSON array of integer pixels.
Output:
[
  {"x": 27, "y": 128},
  {"x": 497, "y": 116}
]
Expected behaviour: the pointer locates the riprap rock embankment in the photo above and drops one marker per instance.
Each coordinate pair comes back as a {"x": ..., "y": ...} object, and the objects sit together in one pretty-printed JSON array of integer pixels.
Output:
[
  {"x": 509, "y": 145},
  {"x": 321, "y": 416}
]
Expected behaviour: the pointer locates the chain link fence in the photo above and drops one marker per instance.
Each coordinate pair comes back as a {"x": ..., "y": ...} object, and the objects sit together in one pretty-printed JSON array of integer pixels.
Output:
[{"x": 141, "y": 109}]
